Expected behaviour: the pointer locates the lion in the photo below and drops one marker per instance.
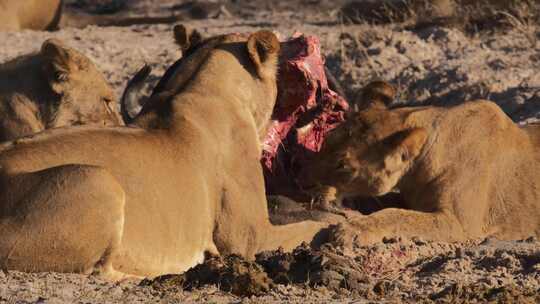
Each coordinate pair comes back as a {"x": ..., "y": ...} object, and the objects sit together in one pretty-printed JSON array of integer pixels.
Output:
[
  {"x": 48, "y": 15},
  {"x": 55, "y": 87},
  {"x": 464, "y": 172},
  {"x": 30, "y": 14},
  {"x": 181, "y": 181}
]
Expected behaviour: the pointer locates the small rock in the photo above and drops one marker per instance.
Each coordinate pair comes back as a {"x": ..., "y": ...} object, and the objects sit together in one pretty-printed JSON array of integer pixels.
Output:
[
  {"x": 389, "y": 240},
  {"x": 384, "y": 288},
  {"x": 489, "y": 240},
  {"x": 418, "y": 241},
  {"x": 531, "y": 239}
]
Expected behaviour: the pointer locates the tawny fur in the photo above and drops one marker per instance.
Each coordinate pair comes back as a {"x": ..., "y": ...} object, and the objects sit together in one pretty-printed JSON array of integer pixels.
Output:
[
  {"x": 464, "y": 172},
  {"x": 187, "y": 171},
  {"x": 55, "y": 87},
  {"x": 376, "y": 94},
  {"x": 30, "y": 14},
  {"x": 49, "y": 15}
]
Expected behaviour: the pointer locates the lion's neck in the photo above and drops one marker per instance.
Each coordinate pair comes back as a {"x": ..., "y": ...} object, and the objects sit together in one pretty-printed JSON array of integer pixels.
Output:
[{"x": 173, "y": 112}]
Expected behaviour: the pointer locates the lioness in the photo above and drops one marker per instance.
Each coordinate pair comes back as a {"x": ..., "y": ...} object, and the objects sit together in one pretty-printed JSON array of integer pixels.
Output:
[
  {"x": 50, "y": 15},
  {"x": 464, "y": 172},
  {"x": 55, "y": 87},
  {"x": 30, "y": 14},
  {"x": 153, "y": 199}
]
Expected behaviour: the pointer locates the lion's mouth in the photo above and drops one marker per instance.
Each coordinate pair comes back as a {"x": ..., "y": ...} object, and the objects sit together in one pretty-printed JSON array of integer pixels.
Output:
[{"x": 306, "y": 109}]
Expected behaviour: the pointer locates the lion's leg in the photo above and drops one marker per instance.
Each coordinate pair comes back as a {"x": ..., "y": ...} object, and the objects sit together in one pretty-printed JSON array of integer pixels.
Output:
[
  {"x": 290, "y": 236},
  {"x": 243, "y": 224},
  {"x": 65, "y": 219},
  {"x": 390, "y": 222}
]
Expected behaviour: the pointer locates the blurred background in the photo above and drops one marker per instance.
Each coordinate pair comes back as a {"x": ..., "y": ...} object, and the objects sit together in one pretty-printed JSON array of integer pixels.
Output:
[
  {"x": 440, "y": 52},
  {"x": 437, "y": 51}
]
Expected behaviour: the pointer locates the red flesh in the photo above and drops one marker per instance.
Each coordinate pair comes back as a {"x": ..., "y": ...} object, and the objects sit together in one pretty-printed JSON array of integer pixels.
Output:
[{"x": 306, "y": 110}]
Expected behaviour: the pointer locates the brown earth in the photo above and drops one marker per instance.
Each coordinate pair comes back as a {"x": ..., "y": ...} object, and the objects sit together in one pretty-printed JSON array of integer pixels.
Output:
[{"x": 434, "y": 64}]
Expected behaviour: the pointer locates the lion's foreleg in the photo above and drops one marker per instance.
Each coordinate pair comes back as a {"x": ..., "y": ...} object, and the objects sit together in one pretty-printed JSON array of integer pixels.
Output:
[
  {"x": 290, "y": 236},
  {"x": 393, "y": 222},
  {"x": 243, "y": 225}
]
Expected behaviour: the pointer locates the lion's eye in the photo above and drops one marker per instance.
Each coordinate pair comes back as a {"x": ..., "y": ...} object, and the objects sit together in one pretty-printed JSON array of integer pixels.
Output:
[{"x": 341, "y": 165}]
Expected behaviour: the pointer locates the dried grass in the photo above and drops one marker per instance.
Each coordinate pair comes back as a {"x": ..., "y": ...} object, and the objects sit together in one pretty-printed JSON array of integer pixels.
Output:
[{"x": 472, "y": 16}]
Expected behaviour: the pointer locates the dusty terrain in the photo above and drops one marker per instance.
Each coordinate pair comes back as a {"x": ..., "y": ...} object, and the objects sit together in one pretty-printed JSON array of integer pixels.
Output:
[{"x": 433, "y": 64}]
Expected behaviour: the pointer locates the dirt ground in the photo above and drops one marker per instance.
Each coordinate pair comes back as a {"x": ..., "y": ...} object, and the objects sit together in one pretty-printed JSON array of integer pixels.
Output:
[{"x": 432, "y": 64}]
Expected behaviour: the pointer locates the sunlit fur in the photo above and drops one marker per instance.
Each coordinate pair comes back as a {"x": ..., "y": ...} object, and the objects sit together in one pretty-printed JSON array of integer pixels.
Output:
[
  {"x": 464, "y": 172},
  {"x": 150, "y": 199},
  {"x": 55, "y": 87}
]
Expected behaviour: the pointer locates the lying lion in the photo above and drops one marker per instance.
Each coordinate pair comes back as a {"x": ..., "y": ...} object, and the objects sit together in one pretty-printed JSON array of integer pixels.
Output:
[
  {"x": 30, "y": 14},
  {"x": 55, "y": 87},
  {"x": 50, "y": 15},
  {"x": 464, "y": 172},
  {"x": 152, "y": 198}
]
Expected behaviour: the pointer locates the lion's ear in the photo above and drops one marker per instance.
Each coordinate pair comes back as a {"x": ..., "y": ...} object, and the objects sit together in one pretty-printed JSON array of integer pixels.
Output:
[
  {"x": 60, "y": 63},
  {"x": 404, "y": 147},
  {"x": 186, "y": 37},
  {"x": 263, "y": 48},
  {"x": 378, "y": 93}
]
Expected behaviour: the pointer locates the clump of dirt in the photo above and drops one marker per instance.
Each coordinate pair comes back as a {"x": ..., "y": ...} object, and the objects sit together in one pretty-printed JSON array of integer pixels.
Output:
[
  {"x": 304, "y": 266},
  {"x": 326, "y": 267},
  {"x": 231, "y": 273}
]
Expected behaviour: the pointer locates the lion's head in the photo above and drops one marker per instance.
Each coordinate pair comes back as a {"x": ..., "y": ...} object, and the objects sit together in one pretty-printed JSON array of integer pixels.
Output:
[
  {"x": 237, "y": 67},
  {"x": 82, "y": 94},
  {"x": 367, "y": 154},
  {"x": 55, "y": 87}
]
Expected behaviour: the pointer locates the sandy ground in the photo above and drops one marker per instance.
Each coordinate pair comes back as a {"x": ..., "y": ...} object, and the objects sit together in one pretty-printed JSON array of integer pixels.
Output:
[
  {"x": 434, "y": 65},
  {"x": 394, "y": 271}
]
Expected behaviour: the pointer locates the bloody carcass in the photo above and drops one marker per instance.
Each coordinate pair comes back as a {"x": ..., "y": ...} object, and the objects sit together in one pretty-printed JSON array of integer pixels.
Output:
[{"x": 306, "y": 110}]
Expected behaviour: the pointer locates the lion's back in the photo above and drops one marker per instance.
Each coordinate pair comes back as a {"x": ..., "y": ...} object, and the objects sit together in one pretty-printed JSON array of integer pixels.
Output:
[{"x": 30, "y": 14}]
